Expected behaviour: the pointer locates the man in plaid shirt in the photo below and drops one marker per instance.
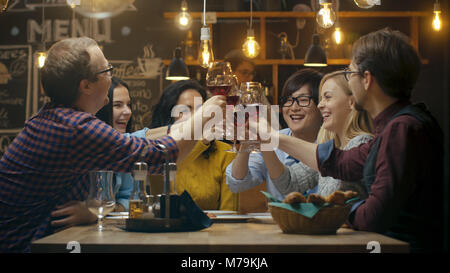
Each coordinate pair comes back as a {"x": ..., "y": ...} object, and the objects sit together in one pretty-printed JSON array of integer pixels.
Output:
[{"x": 47, "y": 163}]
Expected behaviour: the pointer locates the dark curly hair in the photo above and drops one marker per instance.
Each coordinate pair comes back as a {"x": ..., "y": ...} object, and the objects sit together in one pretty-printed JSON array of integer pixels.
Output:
[{"x": 161, "y": 115}]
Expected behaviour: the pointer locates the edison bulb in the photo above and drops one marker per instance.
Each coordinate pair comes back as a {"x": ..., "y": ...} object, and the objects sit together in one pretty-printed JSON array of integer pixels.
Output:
[
  {"x": 251, "y": 47},
  {"x": 205, "y": 54},
  {"x": 436, "y": 21},
  {"x": 183, "y": 20},
  {"x": 41, "y": 57},
  {"x": 326, "y": 16},
  {"x": 337, "y": 35}
]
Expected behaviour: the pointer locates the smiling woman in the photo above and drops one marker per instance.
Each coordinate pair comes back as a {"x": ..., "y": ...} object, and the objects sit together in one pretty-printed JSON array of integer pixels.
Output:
[
  {"x": 117, "y": 112},
  {"x": 299, "y": 109}
]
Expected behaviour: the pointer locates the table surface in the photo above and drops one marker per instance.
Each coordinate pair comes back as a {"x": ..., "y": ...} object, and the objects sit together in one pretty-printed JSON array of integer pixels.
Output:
[{"x": 249, "y": 237}]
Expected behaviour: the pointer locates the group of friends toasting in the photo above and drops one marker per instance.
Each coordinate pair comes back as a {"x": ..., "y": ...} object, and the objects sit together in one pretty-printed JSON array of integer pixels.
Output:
[{"x": 353, "y": 129}]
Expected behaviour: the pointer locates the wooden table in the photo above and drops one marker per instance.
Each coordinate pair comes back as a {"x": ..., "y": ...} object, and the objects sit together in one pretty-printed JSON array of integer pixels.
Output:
[{"x": 250, "y": 237}]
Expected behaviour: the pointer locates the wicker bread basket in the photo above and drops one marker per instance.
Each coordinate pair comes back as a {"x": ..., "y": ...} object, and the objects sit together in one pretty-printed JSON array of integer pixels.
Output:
[{"x": 326, "y": 221}]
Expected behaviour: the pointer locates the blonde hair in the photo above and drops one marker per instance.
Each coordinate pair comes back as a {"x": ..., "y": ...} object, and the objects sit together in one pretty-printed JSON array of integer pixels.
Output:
[{"x": 358, "y": 122}]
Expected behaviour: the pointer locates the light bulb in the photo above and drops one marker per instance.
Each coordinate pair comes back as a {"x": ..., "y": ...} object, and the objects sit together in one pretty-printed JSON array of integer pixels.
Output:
[
  {"x": 205, "y": 54},
  {"x": 326, "y": 16},
  {"x": 437, "y": 20},
  {"x": 337, "y": 35},
  {"x": 183, "y": 20},
  {"x": 250, "y": 47},
  {"x": 41, "y": 57}
]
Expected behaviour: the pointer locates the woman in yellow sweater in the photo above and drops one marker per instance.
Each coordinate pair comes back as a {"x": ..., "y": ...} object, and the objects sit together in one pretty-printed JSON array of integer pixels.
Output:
[{"x": 202, "y": 173}]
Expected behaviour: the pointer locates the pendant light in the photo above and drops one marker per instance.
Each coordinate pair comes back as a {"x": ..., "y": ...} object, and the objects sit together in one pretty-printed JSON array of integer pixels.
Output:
[
  {"x": 41, "y": 55},
  {"x": 437, "y": 20},
  {"x": 177, "y": 69},
  {"x": 326, "y": 15},
  {"x": 205, "y": 54},
  {"x": 3, "y": 5},
  {"x": 183, "y": 20},
  {"x": 315, "y": 56},
  {"x": 337, "y": 34},
  {"x": 251, "y": 47}
]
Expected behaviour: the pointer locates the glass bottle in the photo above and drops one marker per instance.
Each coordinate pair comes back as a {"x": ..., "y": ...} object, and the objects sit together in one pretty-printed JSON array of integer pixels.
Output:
[{"x": 138, "y": 195}]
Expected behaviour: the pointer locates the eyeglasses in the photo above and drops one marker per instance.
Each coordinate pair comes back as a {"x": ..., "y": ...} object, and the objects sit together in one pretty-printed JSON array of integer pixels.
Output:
[
  {"x": 348, "y": 71},
  {"x": 108, "y": 70},
  {"x": 302, "y": 101}
]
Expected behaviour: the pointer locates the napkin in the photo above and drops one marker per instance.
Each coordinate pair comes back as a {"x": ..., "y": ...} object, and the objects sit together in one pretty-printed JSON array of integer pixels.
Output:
[
  {"x": 305, "y": 209},
  {"x": 195, "y": 217}
]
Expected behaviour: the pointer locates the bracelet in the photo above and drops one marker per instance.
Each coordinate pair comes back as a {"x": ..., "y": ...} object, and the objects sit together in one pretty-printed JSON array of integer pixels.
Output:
[{"x": 168, "y": 128}]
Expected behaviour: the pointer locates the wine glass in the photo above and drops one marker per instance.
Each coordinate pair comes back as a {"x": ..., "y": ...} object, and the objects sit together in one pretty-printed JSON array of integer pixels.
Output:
[
  {"x": 250, "y": 102},
  {"x": 233, "y": 98},
  {"x": 219, "y": 78},
  {"x": 101, "y": 199},
  {"x": 221, "y": 81}
]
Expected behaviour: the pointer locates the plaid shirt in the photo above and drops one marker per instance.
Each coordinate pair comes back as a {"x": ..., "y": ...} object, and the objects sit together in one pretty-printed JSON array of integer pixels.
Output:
[{"x": 47, "y": 163}]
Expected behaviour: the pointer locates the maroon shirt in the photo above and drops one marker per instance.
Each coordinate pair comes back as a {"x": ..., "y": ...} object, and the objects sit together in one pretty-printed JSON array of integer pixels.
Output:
[{"x": 408, "y": 174}]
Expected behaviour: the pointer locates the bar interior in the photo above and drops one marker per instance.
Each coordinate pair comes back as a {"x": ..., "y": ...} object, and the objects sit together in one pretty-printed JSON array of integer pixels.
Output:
[{"x": 238, "y": 126}]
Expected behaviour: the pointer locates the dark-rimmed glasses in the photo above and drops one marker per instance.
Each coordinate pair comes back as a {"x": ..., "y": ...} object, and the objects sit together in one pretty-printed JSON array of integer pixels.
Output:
[
  {"x": 302, "y": 101},
  {"x": 347, "y": 71},
  {"x": 107, "y": 70}
]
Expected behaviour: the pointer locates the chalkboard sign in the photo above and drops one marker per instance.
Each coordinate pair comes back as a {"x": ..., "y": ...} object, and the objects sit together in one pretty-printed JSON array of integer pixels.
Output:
[
  {"x": 15, "y": 91},
  {"x": 145, "y": 91}
]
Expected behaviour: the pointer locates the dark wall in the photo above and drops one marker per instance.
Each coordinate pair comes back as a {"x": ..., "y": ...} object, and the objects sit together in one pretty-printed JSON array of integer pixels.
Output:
[{"x": 147, "y": 26}]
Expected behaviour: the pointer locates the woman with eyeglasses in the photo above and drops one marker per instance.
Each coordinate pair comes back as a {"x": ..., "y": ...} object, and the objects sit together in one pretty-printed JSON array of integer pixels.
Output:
[
  {"x": 344, "y": 124},
  {"x": 300, "y": 112}
]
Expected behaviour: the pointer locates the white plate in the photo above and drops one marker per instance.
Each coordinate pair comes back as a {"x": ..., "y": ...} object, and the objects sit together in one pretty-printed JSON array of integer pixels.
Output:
[
  {"x": 221, "y": 212},
  {"x": 122, "y": 213},
  {"x": 230, "y": 218},
  {"x": 117, "y": 215}
]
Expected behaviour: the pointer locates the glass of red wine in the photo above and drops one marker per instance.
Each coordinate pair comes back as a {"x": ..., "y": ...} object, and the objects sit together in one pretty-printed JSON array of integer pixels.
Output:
[
  {"x": 221, "y": 81},
  {"x": 219, "y": 78}
]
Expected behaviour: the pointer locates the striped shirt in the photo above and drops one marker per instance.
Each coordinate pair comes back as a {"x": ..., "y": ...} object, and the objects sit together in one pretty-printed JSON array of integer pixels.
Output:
[{"x": 47, "y": 164}]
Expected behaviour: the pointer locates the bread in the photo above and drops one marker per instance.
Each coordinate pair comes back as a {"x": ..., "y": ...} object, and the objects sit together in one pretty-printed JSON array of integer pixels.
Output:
[
  {"x": 316, "y": 199},
  {"x": 336, "y": 198},
  {"x": 294, "y": 197}
]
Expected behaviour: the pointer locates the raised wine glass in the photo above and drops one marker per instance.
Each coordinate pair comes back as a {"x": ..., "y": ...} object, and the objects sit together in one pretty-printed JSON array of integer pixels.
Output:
[
  {"x": 233, "y": 98},
  {"x": 249, "y": 103},
  {"x": 221, "y": 81},
  {"x": 101, "y": 199}
]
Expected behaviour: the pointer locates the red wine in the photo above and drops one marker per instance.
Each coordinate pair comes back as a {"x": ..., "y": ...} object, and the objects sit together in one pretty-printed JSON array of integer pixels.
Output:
[
  {"x": 219, "y": 89},
  {"x": 232, "y": 100}
]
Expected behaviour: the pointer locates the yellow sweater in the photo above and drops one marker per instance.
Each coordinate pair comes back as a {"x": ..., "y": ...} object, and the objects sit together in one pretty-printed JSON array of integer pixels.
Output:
[{"x": 205, "y": 180}]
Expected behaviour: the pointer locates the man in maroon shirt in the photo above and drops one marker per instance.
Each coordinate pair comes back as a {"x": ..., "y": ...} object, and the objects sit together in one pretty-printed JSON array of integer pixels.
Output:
[{"x": 403, "y": 165}]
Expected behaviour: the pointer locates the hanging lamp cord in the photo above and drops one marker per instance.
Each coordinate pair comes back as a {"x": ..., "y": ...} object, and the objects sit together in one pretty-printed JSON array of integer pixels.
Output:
[
  {"x": 251, "y": 13},
  {"x": 204, "y": 12},
  {"x": 43, "y": 26}
]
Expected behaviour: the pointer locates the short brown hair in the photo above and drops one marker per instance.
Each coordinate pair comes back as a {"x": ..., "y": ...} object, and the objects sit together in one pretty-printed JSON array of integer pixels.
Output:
[
  {"x": 391, "y": 59},
  {"x": 68, "y": 62}
]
